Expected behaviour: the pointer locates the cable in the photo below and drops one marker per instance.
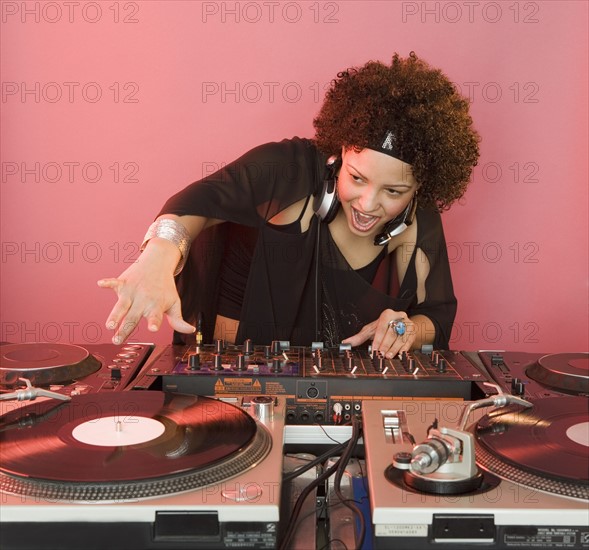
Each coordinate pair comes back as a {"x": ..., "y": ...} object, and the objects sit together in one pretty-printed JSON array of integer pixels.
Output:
[
  {"x": 327, "y": 435},
  {"x": 317, "y": 310},
  {"x": 351, "y": 444},
  {"x": 356, "y": 432},
  {"x": 299, "y": 504},
  {"x": 327, "y": 454}
]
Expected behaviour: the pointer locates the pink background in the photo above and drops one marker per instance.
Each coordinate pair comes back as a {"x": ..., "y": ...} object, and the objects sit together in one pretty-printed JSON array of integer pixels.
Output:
[{"x": 110, "y": 107}]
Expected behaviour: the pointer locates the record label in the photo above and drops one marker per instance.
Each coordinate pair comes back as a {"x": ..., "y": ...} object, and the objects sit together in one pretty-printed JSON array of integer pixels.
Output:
[
  {"x": 579, "y": 433},
  {"x": 113, "y": 431}
]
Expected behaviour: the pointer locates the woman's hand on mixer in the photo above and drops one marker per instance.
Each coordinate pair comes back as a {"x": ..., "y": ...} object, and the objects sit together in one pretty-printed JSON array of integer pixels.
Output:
[{"x": 392, "y": 333}]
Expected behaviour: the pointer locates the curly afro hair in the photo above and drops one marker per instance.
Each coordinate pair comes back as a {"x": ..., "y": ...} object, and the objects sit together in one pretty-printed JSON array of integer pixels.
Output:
[{"x": 429, "y": 118}]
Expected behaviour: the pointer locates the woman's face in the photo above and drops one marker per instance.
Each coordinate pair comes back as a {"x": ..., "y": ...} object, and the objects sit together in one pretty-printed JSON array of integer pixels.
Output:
[{"x": 373, "y": 188}]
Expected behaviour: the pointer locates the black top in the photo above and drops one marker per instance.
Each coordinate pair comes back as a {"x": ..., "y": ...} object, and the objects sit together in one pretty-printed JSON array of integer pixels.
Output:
[{"x": 299, "y": 286}]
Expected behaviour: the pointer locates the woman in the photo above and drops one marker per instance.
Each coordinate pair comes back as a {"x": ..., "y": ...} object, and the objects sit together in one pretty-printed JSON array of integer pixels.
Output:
[{"x": 336, "y": 239}]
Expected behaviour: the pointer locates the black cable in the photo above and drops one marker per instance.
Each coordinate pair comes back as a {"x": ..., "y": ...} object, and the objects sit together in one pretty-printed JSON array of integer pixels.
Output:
[
  {"x": 351, "y": 444},
  {"x": 317, "y": 305},
  {"x": 318, "y": 460},
  {"x": 299, "y": 504},
  {"x": 356, "y": 432},
  {"x": 327, "y": 435}
]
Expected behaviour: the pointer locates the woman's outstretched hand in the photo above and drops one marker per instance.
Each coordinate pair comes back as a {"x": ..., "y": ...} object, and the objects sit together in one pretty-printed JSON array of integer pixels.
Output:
[{"x": 147, "y": 290}]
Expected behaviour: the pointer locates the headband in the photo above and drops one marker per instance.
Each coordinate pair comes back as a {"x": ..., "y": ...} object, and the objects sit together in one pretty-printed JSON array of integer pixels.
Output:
[{"x": 390, "y": 146}]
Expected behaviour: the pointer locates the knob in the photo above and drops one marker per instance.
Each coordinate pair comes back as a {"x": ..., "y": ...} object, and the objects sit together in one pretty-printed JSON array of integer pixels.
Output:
[
  {"x": 442, "y": 364},
  {"x": 517, "y": 387},
  {"x": 194, "y": 361},
  {"x": 319, "y": 361},
  {"x": 241, "y": 363},
  {"x": 378, "y": 361},
  {"x": 218, "y": 362},
  {"x": 276, "y": 365},
  {"x": 411, "y": 364},
  {"x": 219, "y": 345},
  {"x": 248, "y": 347},
  {"x": 345, "y": 348},
  {"x": 263, "y": 407},
  {"x": 349, "y": 361}
]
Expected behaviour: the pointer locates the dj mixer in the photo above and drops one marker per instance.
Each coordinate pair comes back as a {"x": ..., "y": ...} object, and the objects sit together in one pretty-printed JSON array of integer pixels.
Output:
[{"x": 320, "y": 384}]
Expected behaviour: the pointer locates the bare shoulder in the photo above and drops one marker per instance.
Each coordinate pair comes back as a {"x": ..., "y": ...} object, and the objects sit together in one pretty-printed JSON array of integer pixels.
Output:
[
  {"x": 404, "y": 243},
  {"x": 301, "y": 210}
]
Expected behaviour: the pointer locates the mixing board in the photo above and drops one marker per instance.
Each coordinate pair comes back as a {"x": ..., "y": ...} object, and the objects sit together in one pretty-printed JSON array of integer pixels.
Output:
[{"x": 324, "y": 385}]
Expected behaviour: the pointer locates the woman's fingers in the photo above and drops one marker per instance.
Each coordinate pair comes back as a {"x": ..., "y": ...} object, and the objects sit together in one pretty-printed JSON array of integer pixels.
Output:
[
  {"x": 134, "y": 303},
  {"x": 176, "y": 321},
  {"x": 392, "y": 333},
  {"x": 365, "y": 334}
]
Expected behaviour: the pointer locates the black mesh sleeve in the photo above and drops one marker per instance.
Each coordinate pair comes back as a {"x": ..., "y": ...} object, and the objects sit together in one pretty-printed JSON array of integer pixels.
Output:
[
  {"x": 255, "y": 187},
  {"x": 440, "y": 302}
]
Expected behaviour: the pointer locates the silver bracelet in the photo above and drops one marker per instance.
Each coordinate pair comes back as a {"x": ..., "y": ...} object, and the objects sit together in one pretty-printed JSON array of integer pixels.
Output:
[{"x": 174, "y": 232}]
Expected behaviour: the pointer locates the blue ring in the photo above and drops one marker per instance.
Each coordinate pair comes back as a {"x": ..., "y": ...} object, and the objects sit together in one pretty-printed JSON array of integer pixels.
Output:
[{"x": 399, "y": 326}]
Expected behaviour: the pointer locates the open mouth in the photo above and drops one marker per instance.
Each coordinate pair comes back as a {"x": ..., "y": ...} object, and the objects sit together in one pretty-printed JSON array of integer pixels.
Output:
[{"x": 363, "y": 222}]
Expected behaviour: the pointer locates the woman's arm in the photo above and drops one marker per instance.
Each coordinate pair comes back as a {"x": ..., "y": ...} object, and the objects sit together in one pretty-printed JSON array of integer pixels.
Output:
[
  {"x": 249, "y": 191},
  {"x": 147, "y": 288}
]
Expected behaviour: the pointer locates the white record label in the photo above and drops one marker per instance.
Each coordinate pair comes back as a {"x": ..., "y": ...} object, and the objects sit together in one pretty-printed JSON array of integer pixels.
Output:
[
  {"x": 117, "y": 431},
  {"x": 579, "y": 433}
]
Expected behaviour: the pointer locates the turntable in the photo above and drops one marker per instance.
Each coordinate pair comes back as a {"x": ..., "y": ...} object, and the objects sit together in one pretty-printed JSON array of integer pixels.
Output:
[
  {"x": 141, "y": 469},
  {"x": 527, "y": 488},
  {"x": 534, "y": 375},
  {"x": 71, "y": 369}
]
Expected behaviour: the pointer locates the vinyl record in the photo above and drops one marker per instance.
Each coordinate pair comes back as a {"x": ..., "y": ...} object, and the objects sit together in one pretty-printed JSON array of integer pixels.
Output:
[
  {"x": 127, "y": 445},
  {"x": 549, "y": 440},
  {"x": 45, "y": 363}
]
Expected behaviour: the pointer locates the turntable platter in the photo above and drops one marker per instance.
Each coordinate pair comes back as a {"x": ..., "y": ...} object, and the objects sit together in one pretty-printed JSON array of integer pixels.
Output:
[
  {"x": 91, "y": 449},
  {"x": 45, "y": 363},
  {"x": 546, "y": 446},
  {"x": 566, "y": 372}
]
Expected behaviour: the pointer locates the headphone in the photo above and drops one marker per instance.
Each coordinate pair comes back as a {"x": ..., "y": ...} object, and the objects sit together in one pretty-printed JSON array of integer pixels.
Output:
[{"x": 326, "y": 204}]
